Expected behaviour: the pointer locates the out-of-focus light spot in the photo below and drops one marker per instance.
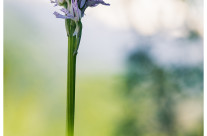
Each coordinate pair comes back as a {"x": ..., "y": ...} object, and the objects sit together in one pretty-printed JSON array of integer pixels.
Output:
[
  {"x": 115, "y": 15},
  {"x": 149, "y": 16}
]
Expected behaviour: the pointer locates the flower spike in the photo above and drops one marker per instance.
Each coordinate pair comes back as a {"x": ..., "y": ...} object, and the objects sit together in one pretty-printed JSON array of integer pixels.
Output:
[{"x": 76, "y": 8}]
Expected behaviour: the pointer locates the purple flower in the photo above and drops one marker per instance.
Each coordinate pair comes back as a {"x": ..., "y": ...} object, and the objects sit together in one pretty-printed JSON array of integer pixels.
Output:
[{"x": 75, "y": 8}]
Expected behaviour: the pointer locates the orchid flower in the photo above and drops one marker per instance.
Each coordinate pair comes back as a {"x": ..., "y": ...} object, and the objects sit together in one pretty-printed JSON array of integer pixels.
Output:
[{"x": 75, "y": 8}]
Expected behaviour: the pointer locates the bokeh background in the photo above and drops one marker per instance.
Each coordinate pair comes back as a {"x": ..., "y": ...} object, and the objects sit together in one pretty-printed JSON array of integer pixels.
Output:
[{"x": 139, "y": 69}]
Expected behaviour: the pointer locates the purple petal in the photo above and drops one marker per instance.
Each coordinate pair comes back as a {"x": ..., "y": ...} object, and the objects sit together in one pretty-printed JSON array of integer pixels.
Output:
[
  {"x": 65, "y": 11},
  {"x": 93, "y": 3},
  {"x": 82, "y": 3},
  {"x": 58, "y": 15}
]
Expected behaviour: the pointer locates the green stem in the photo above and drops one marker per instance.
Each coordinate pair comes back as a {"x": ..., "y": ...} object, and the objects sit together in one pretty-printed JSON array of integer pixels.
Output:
[{"x": 72, "y": 41}]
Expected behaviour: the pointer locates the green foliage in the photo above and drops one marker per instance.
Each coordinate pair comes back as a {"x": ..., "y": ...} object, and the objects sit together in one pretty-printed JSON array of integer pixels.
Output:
[{"x": 161, "y": 89}]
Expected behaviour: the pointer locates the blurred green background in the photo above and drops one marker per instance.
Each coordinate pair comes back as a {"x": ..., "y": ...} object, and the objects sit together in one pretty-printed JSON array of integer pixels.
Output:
[{"x": 139, "y": 69}]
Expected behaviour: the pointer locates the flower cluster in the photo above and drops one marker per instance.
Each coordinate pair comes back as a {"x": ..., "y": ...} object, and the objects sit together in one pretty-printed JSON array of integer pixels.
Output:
[
  {"x": 73, "y": 12},
  {"x": 74, "y": 9}
]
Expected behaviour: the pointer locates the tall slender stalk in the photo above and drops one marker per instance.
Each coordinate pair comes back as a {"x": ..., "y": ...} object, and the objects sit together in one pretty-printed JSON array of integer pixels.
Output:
[
  {"x": 73, "y": 43},
  {"x": 71, "y": 85}
]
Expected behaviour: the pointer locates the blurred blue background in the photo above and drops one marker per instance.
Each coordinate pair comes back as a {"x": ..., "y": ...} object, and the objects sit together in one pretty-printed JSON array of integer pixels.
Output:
[{"x": 139, "y": 69}]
